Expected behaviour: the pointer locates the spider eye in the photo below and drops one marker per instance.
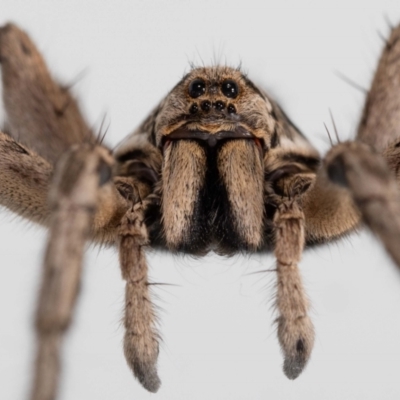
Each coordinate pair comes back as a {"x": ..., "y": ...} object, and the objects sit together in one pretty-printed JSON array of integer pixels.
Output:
[
  {"x": 230, "y": 88},
  {"x": 197, "y": 88}
]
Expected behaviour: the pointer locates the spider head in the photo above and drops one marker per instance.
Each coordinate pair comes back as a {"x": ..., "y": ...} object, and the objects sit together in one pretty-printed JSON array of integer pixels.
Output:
[{"x": 214, "y": 103}]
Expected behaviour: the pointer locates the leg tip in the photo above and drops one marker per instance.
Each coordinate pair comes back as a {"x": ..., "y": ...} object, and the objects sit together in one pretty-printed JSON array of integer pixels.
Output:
[
  {"x": 293, "y": 367},
  {"x": 295, "y": 363},
  {"x": 141, "y": 353},
  {"x": 147, "y": 376},
  {"x": 296, "y": 340}
]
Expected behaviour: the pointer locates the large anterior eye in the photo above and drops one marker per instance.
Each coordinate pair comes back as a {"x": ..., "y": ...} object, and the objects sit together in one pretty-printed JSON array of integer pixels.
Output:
[
  {"x": 197, "y": 88},
  {"x": 230, "y": 88}
]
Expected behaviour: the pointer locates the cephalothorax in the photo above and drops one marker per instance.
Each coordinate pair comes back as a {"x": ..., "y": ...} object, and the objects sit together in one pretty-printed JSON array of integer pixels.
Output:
[{"x": 217, "y": 166}]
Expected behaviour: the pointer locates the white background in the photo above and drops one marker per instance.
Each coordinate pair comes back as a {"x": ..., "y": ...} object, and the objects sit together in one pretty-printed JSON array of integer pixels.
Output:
[{"x": 219, "y": 340}]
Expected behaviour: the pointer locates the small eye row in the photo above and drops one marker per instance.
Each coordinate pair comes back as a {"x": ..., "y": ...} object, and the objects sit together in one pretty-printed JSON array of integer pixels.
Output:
[
  {"x": 207, "y": 105},
  {"x": 228, "y": 87}
]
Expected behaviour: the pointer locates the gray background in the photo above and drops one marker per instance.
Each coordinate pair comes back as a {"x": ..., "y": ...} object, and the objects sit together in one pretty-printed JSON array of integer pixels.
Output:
[{"x": 219, "y": 340}]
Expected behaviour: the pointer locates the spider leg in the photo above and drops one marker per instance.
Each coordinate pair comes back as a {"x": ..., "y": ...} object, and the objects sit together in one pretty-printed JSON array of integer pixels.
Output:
[
  {"x": 73, "y": 200},
  {"x": 141, "y": 338},
  {"x": 24, "y": 180},
  {"x": 380, "y": 122},
  {"x": 40, "y": 113},
  {"x": 295, "y": 329},
  {"x": 92, "y": 212},
  {"x": 369, "y": 167},
  {"x": 372, "y": 186},
  {"x": 331, "y": 210}
]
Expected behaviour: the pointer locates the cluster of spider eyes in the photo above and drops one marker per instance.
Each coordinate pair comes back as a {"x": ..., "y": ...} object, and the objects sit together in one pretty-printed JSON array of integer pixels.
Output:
[
  {"x": 228, "y": 87},
  {"x": 198, "y": 87}
]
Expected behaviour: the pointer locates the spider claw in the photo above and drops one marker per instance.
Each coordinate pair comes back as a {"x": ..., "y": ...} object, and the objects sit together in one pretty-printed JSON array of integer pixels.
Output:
[
  {"x": 296, "y": 340},
  {"x": 146, "y": 373},
  {"x": 142, "y": 359},
  {"x": 293, "y": 366}
]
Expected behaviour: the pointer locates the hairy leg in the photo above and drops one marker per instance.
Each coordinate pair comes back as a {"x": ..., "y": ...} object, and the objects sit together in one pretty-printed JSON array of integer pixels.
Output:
[
  {"x": 372, "y": 186},
  {"x": 46, "y": 119},
  {"x": 73, "y": 201},
  {"x": 380, "y": 122},
  {"x": 369, "y": 167},
  {"x": 141, "y": 338},
  {"x": 40, "y": 113},
  {"x": 295, "y": 329},
  {"x": 24, "y": 181},
  {"x": 331, "y": 210}
]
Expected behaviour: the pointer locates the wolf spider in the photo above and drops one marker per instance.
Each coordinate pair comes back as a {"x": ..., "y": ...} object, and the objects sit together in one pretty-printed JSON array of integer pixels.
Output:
[{"x": 216, "y": 166}]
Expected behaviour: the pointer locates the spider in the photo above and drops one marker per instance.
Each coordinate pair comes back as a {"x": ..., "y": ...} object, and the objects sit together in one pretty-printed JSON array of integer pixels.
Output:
[{"x": 216, "y": 166}]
